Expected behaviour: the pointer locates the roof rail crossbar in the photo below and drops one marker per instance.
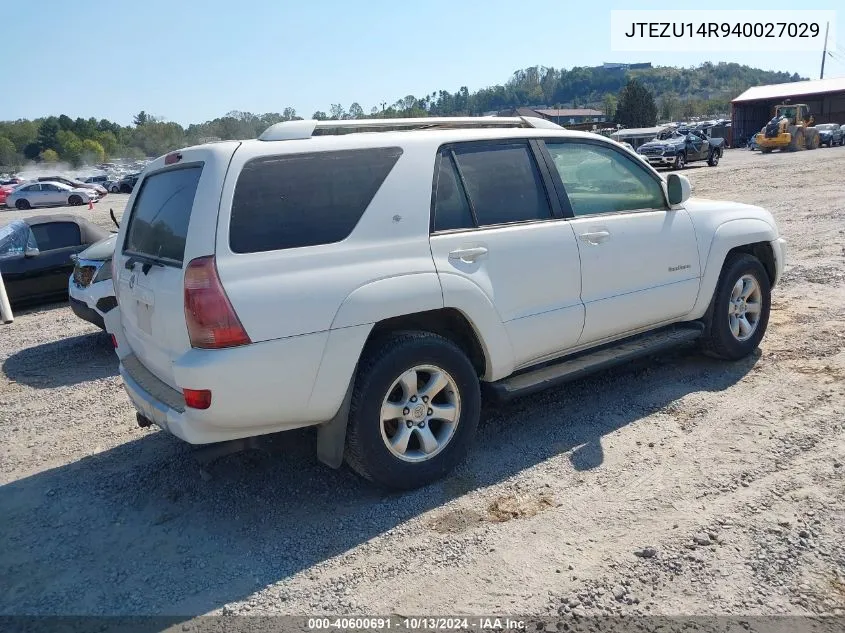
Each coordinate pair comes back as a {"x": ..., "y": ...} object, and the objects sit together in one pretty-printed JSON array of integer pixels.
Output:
[{"x": 291, "y": 130}]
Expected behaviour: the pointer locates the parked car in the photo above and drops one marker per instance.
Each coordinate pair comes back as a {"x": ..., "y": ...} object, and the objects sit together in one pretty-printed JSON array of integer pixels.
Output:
[
  {"x": 49, "y": 194},
  {"x": 315, "y": 277},
  {"x": 5, "y": 190},
  {"x": 830, "y": 134},
  {"x": 75, "y": 184},
  {"x": 90, "y": 288},
  {"x": 35, "y": 255},
  {"x": 99, "y": 179},
  {"x": 12, "y": 181},
  {"x": 675, "y": 148},
  {"x": 127, "y": 183}
]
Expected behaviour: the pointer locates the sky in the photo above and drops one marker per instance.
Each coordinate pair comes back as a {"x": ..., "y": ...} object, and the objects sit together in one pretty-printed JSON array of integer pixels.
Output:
[{"x": 190, "y": 61}]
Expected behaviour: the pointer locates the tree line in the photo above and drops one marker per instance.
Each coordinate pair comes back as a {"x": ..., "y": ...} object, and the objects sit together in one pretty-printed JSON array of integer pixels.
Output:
[{"x": 674, "y": 93}]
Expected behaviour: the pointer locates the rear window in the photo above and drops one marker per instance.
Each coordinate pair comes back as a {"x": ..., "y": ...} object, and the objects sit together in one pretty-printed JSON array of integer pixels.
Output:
[
  {"x": 158, "y": 225},
  {"x": 305, "y": 199},
  {"x": 55, "y": 235}
]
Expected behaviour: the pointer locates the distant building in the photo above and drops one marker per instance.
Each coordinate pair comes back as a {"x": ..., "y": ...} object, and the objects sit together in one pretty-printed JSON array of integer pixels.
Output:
[
  {"x": 616, "y": 66},
  {"x": 753, "y": 108}
]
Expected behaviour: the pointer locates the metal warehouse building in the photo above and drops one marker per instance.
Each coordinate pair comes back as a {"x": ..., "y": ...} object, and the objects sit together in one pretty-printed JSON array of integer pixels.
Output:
[{"x": 755, "y": 107}]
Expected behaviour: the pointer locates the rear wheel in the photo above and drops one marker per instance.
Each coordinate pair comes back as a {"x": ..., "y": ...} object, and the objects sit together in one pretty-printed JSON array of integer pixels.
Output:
[
  {"x": 741, "y": 307},
  {"x": 714, "y": 158},
  {"x": 115, "y": 189},
  {"x": 23, "y": 204},
  {"x": 74, "y": 200},
  {"x": 415, "y": 408}
]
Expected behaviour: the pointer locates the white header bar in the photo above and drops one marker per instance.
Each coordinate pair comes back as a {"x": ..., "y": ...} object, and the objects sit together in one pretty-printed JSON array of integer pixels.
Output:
[{"x": 720, "y": 30}]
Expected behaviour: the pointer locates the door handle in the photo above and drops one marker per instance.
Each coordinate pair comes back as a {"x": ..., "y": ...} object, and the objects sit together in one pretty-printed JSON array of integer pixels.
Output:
[
  {"x": 468, "y": 254},
  {"x": 596, "y": 237}
]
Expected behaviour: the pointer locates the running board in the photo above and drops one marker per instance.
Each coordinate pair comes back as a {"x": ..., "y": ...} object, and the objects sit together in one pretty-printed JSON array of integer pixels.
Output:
[{"x": 574, "y": 367}]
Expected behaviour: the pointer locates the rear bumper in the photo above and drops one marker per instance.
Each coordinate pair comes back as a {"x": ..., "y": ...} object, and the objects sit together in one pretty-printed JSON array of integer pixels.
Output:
[{"x": 255, "y": 389}]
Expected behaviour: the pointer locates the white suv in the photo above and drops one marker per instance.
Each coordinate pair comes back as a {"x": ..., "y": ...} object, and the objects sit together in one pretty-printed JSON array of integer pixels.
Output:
[{"x": 370, "y": 277}]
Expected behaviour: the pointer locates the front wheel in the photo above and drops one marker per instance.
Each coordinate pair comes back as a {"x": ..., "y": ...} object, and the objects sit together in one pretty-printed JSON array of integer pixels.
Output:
[
  {"x": 680, "y": 161},
  {"x": 741, "y": 307},
  {"x": 414, "y": 411},
  {"x": 714, "y": 158},
  {"x": 74, "y": 200},
  {"x": 115, "y": 189}
]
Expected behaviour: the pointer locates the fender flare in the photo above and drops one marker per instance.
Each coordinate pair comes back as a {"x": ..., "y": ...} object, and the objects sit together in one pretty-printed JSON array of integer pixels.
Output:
[
  {"x": 389, "y": 297},
  {"x": 726, "y": 237}
]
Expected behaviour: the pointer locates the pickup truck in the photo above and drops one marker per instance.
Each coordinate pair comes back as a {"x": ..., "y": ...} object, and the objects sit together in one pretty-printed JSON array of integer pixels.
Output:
[{"x": 674, "y": 148}]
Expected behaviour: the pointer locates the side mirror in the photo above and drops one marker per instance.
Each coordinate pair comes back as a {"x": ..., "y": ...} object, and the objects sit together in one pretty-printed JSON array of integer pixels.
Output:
[
  {"x": 679, "y": 189},
  {"x": 31, "y": 252}
]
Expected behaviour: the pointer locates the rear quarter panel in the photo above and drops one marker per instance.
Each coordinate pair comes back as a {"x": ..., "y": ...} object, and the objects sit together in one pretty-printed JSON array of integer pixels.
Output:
[{"x": 384, "y": 263}]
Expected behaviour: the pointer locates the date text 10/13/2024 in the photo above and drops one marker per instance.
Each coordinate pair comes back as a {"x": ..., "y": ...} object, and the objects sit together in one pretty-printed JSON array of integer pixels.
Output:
[{"x": 417, "y": 623}]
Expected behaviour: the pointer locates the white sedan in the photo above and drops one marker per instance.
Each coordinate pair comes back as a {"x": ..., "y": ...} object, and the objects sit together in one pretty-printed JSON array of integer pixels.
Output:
[{"x": 49, "y": 194}]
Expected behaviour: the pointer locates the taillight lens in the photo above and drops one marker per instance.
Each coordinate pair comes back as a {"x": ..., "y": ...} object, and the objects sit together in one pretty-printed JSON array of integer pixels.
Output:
[
  {"x": 211, "y": 319},
  {"x": 197, "y": 398},
  {"x": 114, "y": 341}
]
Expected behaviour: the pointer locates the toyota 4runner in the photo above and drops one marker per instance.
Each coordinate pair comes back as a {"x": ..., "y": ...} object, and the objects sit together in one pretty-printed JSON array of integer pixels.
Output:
[{"x": 374, "y": 278}]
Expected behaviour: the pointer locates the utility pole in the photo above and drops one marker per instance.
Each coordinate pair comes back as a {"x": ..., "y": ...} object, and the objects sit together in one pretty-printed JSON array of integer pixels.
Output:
[{"x": 824, "y": 52}]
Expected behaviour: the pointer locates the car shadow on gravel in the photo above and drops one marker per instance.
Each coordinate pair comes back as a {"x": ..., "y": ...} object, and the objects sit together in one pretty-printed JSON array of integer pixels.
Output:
[
  {"x": 67, "y": 361},
  {"x": 135, "y": 530}
]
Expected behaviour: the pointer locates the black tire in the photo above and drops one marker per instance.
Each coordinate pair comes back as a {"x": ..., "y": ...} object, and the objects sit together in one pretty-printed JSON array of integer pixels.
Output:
[
  {"x": 680, "y": 161},
  {"x": 382, "y": 363},
  {"x": 22, "y": 204},
  {"x": 125, "y": 189},
  {"x": 115, "y": 189},
  {"x": 74, "y": 200},
  {"x": 766, "y": 151},
  {"x": 713, "y": 160},
  {"x": 718, "y": 340}
]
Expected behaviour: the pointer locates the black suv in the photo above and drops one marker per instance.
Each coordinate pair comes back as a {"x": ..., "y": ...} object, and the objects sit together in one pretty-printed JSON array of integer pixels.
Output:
[{"x": 127, "y": 183}]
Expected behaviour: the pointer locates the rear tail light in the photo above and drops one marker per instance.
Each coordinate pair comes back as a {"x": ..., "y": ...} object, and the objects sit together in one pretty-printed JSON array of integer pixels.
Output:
[
  {"x": 197, "y": 398},
  {"x": 211, "y": 319},
  {"x": 114, "y": 341}
]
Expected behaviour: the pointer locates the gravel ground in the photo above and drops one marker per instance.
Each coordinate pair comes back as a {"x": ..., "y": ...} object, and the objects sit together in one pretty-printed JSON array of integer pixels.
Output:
[{"x": 677, "y": 486}]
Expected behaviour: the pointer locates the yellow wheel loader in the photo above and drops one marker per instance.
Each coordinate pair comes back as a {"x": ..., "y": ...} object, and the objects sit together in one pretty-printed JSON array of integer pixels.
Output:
[{"x": 789, "y": 130}]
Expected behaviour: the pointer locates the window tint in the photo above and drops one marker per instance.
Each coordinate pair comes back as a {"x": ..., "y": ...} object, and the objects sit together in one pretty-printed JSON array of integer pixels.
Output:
[
  {"x": 31, "y": 188},
  {"x": 305, "y": 199},
  {"x": 599, "y": 179},
  {"x": 55, "y": 235},
  {"x": 158, "y": 226},
  {"x": 503, "y": 183},
  {"x": 50, "y": 188},
  {"x": 451, "y": 209}
]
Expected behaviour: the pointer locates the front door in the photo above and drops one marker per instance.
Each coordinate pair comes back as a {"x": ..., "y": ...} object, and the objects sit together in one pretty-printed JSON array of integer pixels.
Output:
[
  {"x": 697, "y": 147},
  {"x": 639, "y": 258},
  {"x": 496, "y": 226}
]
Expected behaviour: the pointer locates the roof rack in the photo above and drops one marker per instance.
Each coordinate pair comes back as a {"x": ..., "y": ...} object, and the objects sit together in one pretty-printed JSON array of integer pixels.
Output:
[{"x": 293, "y": 130}]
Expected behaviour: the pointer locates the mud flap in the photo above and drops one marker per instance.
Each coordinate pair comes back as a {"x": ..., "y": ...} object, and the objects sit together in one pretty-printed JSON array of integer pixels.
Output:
[{"x": 331, "y": 435}]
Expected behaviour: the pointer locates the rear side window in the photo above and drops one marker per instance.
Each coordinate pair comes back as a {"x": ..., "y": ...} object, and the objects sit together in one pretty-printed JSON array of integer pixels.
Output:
[
  {"x": 158, "y": 225},
  {"x": 55, "y": 235},
  {"x": 503, "y": 183},
  {"x": 305, "y": 199},
  {"x": 451, "y": 209}
]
